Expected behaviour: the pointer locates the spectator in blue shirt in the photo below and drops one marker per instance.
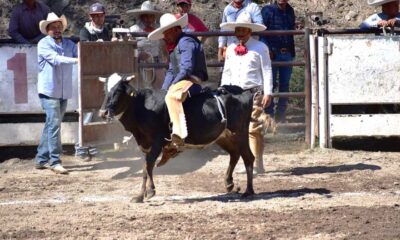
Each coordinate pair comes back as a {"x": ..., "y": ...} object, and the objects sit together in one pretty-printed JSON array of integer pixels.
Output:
[
  {"x": 24, "y": 21},
  {"x": 55, "y": 58},
  {"x": 187, "y": 66},
  {"x": 230, "y": 14},
  {"x": 279, "y": 16}
]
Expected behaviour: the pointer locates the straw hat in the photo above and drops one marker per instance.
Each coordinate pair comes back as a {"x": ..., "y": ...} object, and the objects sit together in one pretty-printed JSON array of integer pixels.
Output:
[
  {"x": 147, "y": 7},
  {"x": 168, "y": 21},
  {"x": 52, "y": 17},
  {"x": 243, "y": 20},
  {"x": 379, "y": 2}
]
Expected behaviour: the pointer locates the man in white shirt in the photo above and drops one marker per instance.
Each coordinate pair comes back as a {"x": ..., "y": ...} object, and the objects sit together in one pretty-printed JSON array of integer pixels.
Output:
[{"x": 248, "y": 66}]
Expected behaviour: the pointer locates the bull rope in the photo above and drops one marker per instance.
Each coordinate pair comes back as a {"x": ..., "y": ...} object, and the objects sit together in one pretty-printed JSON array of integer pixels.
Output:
[{"x": 220, "y": 104}]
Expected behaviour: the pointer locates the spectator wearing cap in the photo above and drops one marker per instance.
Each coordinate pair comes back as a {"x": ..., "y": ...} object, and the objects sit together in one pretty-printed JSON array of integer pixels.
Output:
[
  {"x": 230, "y": 14},
  {"x": 55, "y": 58},
  {"x": 280, "y": 16},
  {"x": 24, "y": 21},
  {"x": 95, "y": 29},
  {"x": 149, "y": 51},
  {"x": 195, "y": 24},
  {"x": 389, "y": 17}
]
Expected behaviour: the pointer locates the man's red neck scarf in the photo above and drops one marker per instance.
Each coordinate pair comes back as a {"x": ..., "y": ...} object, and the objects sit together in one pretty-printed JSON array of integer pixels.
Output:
[
  {"x": 171, "y": 47},
  {"x": 237, "y": 5},
  {"x": 241, "y": 49}
]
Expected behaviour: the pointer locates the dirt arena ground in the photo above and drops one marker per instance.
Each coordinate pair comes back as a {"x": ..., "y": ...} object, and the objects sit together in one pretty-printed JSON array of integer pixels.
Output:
[{"x": 305, "y": 194}]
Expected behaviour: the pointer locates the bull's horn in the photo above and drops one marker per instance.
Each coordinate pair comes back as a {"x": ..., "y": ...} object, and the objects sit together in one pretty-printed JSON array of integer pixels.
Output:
[
  {"x": 130, "y": 78},
  {"x": 102, "y": 79}
]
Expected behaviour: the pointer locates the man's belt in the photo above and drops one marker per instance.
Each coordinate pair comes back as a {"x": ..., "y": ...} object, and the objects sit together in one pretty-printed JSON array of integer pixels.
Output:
[
  {"x": 281, "y": 50},
  {"x": 255, "y": 90},
  {"x": 194, "y": 79}
]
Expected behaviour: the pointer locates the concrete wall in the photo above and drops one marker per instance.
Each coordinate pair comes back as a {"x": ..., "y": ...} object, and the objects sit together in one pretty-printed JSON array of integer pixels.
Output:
[
  {"x": 18, "y": 95},
  {"x": 18, "y": 80}
]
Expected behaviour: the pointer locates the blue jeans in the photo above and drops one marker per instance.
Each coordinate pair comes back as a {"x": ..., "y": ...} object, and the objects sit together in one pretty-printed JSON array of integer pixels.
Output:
[
  {"x": 281, "y": 83},
  {"x": 49, "y": 149}
]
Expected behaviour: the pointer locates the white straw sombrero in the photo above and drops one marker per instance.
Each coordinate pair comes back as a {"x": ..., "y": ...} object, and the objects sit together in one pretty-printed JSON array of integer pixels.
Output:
[
  {"x": 243, "y": 20},
  {"x": 146, "y": 8},
  {"x": 52, "y": 17},
  {"x": 168, "y": 21},
  {"x": 379, "y": 2}
]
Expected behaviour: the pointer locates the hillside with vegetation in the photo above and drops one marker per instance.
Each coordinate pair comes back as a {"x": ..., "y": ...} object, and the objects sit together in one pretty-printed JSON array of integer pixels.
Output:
[{"x": 336, "y": 13}]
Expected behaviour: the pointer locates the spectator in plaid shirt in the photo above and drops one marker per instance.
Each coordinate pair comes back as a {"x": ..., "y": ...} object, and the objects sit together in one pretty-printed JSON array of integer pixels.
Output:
[{"x": 279, "y": 16}]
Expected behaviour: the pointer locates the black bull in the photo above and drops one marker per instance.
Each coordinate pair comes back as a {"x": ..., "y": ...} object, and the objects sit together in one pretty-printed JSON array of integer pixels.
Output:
[{"x": 145, "y": 115}]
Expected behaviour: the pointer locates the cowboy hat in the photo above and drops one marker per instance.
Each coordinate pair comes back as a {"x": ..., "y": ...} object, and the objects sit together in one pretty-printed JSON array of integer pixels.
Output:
[
  {"x": 379, "y": 2},
  {"x": 243, "y": 20},
  {"x": 52, "y": 17},
  {"x": 168, "y": 21},
  {"x": 146, "y": 8}
]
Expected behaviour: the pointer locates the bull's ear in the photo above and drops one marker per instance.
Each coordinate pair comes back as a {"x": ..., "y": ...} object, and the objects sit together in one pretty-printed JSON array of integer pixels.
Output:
[
  {"x": 102, "y": 79},
  {"x": 131, "y": 91},
  {"x": 129, "y": 78}
]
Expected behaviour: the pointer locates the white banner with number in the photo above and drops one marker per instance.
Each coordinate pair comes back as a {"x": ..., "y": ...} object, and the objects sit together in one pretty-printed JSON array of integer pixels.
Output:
[{"x": 18, "y": 80}]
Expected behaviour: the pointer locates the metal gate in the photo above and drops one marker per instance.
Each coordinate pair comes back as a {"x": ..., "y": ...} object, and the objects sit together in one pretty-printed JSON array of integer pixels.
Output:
[
  {"x": 101, "y": 59},
  {"x": 359, "y": 87}
]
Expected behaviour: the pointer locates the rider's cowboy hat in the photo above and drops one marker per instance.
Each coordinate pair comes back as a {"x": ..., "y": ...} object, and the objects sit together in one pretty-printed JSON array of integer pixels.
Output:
[
  {"x": 243, "y": 20},
  {"x": 168, "y": 21},
  {"x": 146, "y": 8},
  {"x": 52, "y": 17},
  {"x": 379, "y": 2}
]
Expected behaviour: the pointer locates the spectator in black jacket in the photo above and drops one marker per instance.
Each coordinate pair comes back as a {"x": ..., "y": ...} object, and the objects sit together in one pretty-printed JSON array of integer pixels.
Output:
[{"x": 95, "y": 29}]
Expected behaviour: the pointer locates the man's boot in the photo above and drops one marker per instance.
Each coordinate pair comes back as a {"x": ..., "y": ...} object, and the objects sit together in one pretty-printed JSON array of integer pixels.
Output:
[{"x": 177, "y": 142}]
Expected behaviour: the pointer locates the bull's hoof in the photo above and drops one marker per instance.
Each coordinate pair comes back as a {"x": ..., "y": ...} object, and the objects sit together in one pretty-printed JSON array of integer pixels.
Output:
[
  {"x": 232, "y": 189},
  {"x": 138, "y": 199},
  {"x": 248, "y": 194},
  {"x": 236, "y": 190},
  {"x": 150, "y": 193},
  {"x": 229, "y": 187}
]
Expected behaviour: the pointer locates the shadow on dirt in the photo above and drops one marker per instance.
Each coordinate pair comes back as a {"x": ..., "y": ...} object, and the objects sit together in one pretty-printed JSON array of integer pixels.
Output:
[
  {"x": 331, "y": 169},
  {"x": 26, "y": 152},
  {"x": 236, "y": 197},
  {"x": 186, "y": 162}
]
